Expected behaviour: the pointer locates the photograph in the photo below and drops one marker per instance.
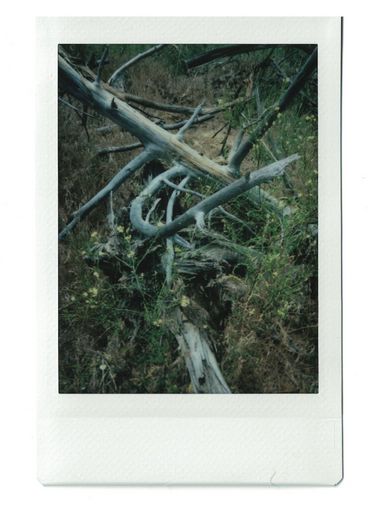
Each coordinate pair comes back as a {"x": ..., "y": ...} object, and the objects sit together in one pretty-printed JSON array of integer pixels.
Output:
[{"x": 188, "y": 218}]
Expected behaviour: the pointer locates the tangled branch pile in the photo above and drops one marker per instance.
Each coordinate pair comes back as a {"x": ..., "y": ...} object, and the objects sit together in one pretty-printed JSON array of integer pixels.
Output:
[{"x": 191, "y": 265}]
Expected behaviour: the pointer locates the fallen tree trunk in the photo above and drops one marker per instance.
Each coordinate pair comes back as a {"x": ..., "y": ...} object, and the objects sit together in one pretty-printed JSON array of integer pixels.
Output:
[
  {"x": 204, "y": 372},
  {"x": 156, "y": 140},
  {"x": 150, "y": 134},
  {"x": 167, "y": 127}
]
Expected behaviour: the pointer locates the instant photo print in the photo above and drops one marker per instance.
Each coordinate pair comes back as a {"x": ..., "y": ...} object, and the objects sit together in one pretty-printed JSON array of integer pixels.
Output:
[{"x": 189, "y": 247}]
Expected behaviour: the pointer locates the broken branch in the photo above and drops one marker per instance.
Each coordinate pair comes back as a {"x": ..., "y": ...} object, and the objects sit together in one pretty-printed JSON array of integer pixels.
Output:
[{"x": 115, "y": 76}]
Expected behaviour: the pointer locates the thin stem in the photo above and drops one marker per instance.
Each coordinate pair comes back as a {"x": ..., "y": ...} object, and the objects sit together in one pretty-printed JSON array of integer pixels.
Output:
[
  {"x": 188, "y": 124},
  {"x": 100, "y": 65},
  {"x": 113, "y": 78},
  {"x": 114, "y": 184},
  {"x": 169, "y": 261}
]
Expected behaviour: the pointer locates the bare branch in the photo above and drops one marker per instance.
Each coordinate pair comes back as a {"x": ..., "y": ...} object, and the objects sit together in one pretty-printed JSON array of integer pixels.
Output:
[
  {"x": 222, "y": 196},
  {"x": 114, "y": 183},
  {"x": 284, "y": 101},
  {"x": 146, "y": 131},
  {"x": 236, "y": 49},
  {"x": 285, "y": 77},
  {"x": 169, "y": 241},
  {"x": 220, "y": 209},
  {"x": 117, "y": 150},
  {"x": 136, "y": 210},
  {"x": 81, "y": 113},
  {"x": 110, "y": 213},
  {"x": 174, "y": 186},
  {"x": 114, "y": 77},
  {"x": 142, "y": 101},
  {"x": 167, "y": 127},
  {"x": 188, "y": 124},
  {"x": 100, "y": 65},
  {"x": 237, "y": 142},
  {"x": 174, "y": 108},
  {"x": 152, "y": 209}
]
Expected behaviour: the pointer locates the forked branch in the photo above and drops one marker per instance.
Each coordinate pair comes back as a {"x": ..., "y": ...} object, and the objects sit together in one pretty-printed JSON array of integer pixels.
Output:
[
  {"x": 137, "y": 124},
  {"x": 114, "y": 184},
  {"x": 217, "y": 199}
]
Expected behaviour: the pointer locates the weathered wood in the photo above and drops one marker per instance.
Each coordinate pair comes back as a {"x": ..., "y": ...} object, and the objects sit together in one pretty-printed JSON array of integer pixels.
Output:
[
  {"x": 167, "y": 127},
  {"x": 118, "y": 73},
  {"x": 111, "y": 186},
  {"x": 189, "y": 123},
  {"x": 217, "y": 199},
  {"x": 150, "y": 134},
  {"x": 204, "y": 372},
  {"x": 169, "y": 241}
]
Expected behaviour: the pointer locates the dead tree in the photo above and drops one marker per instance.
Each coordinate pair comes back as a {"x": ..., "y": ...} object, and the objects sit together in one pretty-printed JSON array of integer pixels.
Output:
[{"x": 182, "y": 162}]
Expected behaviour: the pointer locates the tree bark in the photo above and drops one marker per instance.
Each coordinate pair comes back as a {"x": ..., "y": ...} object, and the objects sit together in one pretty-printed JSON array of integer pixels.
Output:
[
  {"x": 204, "y": 372},
  {"x": 202, "y": 208},
  {"x": 237, "y": 49},
  {"x": 150, "y": 134}
]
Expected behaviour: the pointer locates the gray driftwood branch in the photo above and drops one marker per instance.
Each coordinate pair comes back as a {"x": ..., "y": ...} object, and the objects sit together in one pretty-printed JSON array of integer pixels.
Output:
[
  {"x": 120, "y": 71},
  {"x": 157, "y": 142},
  {"x": 150, "y": 134},
  {"x": 198, "y": 211},
  {"x": 167, "y": 127},
  {"x": 205, "y": 374},
  {"x": 114, "y": 184},
  {"x": 169, "y": 241}
]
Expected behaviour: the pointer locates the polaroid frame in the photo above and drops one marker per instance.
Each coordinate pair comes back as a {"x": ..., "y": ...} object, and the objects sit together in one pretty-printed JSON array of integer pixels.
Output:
[{"x": 278, "y": 439}]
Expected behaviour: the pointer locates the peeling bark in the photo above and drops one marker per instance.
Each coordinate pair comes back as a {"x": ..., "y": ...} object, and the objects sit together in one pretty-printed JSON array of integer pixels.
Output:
[{"x": 204, "y": 372}]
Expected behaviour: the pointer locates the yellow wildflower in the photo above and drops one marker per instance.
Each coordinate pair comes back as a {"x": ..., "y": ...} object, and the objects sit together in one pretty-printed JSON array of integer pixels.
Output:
[{"x": 185, "y": 301}]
